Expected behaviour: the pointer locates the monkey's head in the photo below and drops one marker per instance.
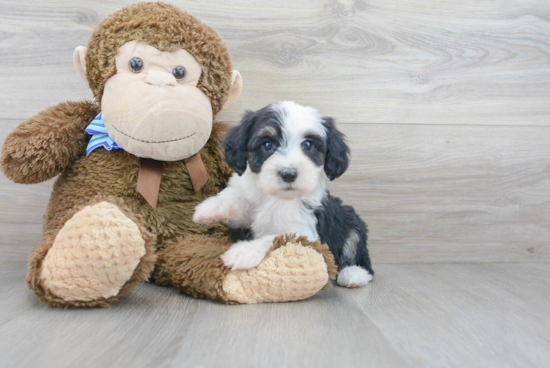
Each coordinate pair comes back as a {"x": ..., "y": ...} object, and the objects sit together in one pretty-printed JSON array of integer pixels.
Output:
[{"x": 160, "y": 76}]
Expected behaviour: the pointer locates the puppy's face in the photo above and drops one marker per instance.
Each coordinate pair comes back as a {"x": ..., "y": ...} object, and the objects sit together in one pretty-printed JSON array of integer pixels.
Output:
[{"x": 288, "y": 147}]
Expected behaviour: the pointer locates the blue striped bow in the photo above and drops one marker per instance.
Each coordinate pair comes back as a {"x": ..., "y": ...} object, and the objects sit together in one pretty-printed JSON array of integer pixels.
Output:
[{"x": 100, "y": 137}]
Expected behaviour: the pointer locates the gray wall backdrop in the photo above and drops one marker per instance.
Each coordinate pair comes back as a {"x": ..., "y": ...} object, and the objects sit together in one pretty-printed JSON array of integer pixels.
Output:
[{"x": 446, "y": 105}]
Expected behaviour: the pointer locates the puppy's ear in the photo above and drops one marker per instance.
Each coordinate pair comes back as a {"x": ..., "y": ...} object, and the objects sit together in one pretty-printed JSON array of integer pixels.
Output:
[
  {"x": 337, "y": 156},
  {"x": 236, "y": 143}
]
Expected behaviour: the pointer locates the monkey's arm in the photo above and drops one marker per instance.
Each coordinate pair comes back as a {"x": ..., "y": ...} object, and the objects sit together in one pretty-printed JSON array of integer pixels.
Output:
[{"x": 43, "y": 146}]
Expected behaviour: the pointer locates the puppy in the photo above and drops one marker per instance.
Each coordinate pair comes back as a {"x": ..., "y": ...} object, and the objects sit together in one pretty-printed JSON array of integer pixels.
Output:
[{"x": 282, "y": 156}]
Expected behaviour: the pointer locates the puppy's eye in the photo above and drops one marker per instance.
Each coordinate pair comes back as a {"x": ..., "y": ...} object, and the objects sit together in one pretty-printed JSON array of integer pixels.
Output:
[
  {"x": 267, "y": 146},
  {"x": 179, "y": 72},
  {"x": 307, "y": 145},
  {"x": 136, "y": 65}
]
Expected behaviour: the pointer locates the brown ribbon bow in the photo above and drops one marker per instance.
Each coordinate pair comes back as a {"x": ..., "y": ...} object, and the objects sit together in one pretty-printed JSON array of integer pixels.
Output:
[{"x": 150, "y": 173}]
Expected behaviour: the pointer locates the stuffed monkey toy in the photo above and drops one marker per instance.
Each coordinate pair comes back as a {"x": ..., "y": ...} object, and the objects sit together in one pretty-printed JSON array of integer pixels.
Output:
[{"x": 134, "y": 164}]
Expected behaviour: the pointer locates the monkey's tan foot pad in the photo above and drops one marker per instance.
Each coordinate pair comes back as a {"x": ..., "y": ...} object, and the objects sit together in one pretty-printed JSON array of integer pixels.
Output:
[
  {"x": 93, "y": 255},
  {"x": 291, "y": 272}
]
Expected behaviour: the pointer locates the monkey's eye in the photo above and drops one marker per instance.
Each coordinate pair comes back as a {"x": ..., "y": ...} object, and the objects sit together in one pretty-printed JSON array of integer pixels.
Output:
[
  {"x": 307, "y": 145},
  {"x": 136, "y": 65},
  {"x": 179, "y": 72},
  {"x": 267, "y": 146}
]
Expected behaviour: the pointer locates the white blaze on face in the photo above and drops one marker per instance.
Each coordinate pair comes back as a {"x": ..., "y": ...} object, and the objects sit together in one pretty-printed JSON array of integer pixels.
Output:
[
  {"x": 151, "y": 114},
  {"x": 297, "y": 122}
]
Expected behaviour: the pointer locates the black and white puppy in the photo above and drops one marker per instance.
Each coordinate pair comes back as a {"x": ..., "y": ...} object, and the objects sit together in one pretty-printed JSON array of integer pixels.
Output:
[{"x": 282, "y": 156}]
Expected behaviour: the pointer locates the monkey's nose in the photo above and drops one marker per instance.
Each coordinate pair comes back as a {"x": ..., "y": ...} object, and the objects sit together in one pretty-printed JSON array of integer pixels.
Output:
[
  {"x": 288, "y": 175},
  {"x": 158, "y": 78}
]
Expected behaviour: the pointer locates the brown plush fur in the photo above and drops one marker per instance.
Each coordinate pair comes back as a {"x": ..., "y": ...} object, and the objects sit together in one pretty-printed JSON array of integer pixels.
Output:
[
  {"x": 54, "y": 142},
  {"x": 166, "y": 28},
  {"x": 115, "y": 173},
  {"x": 193, "y": 265},
  {"x": 43, "y": 146},
  {"x": 111, "y": 174}
]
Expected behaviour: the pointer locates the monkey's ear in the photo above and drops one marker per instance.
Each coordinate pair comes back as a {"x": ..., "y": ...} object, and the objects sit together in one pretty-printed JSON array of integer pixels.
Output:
[
  {"x": 79, "y": 59},
  {"x": 337, "y": 156},
  {"x": 236, "y": 143},
  {"x": 236, "y": 89}
]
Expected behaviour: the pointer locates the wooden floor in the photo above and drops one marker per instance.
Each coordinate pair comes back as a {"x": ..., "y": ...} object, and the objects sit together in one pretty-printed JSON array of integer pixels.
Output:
[{"x": 411, "y": 315}]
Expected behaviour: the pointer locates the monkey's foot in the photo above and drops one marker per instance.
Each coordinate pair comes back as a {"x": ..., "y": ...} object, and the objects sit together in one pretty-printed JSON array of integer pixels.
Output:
[
  {"x": 294, "y": 271},
  {"x": 94, "y": 256}
]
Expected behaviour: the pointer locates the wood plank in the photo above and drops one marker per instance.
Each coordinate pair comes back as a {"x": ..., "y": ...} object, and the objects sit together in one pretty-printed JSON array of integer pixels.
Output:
[
  {"x": 429, "y": 315},
  {"x": 464, "y": 315},
  {"x": 428, "y": 194},
  {"x": 15, "y": 297},
  {"x": 451, "y": 193},
  {"x": 176, "y": 330},
  {"x": 81, "y": 337},
  {"x": 324, "y": 331},
  {"x": 408, "y": 62}
]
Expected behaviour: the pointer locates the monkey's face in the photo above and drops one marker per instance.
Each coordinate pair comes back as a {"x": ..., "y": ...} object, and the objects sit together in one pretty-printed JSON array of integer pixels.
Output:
[
  {"x": 152, "y": 107},
  {"x": 158, "y": 104}
]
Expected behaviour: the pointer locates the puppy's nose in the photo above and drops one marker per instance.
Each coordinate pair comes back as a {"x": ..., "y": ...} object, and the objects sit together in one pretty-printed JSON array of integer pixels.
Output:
[{"x": 288, "y": 175}]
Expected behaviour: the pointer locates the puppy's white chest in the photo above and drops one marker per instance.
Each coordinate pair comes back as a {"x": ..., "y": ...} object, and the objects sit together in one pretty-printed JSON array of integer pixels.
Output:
[{"x": 276, "y": 216}]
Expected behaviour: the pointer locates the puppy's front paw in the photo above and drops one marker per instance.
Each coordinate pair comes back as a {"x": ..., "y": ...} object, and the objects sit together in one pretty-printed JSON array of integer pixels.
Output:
[
  {"x": 211, "y": 211},
  {"x": 243, "y": 256}
]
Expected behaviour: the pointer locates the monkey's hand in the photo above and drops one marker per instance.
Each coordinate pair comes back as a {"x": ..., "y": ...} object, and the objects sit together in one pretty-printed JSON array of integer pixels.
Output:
[{"x": 43, "y": 146}]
